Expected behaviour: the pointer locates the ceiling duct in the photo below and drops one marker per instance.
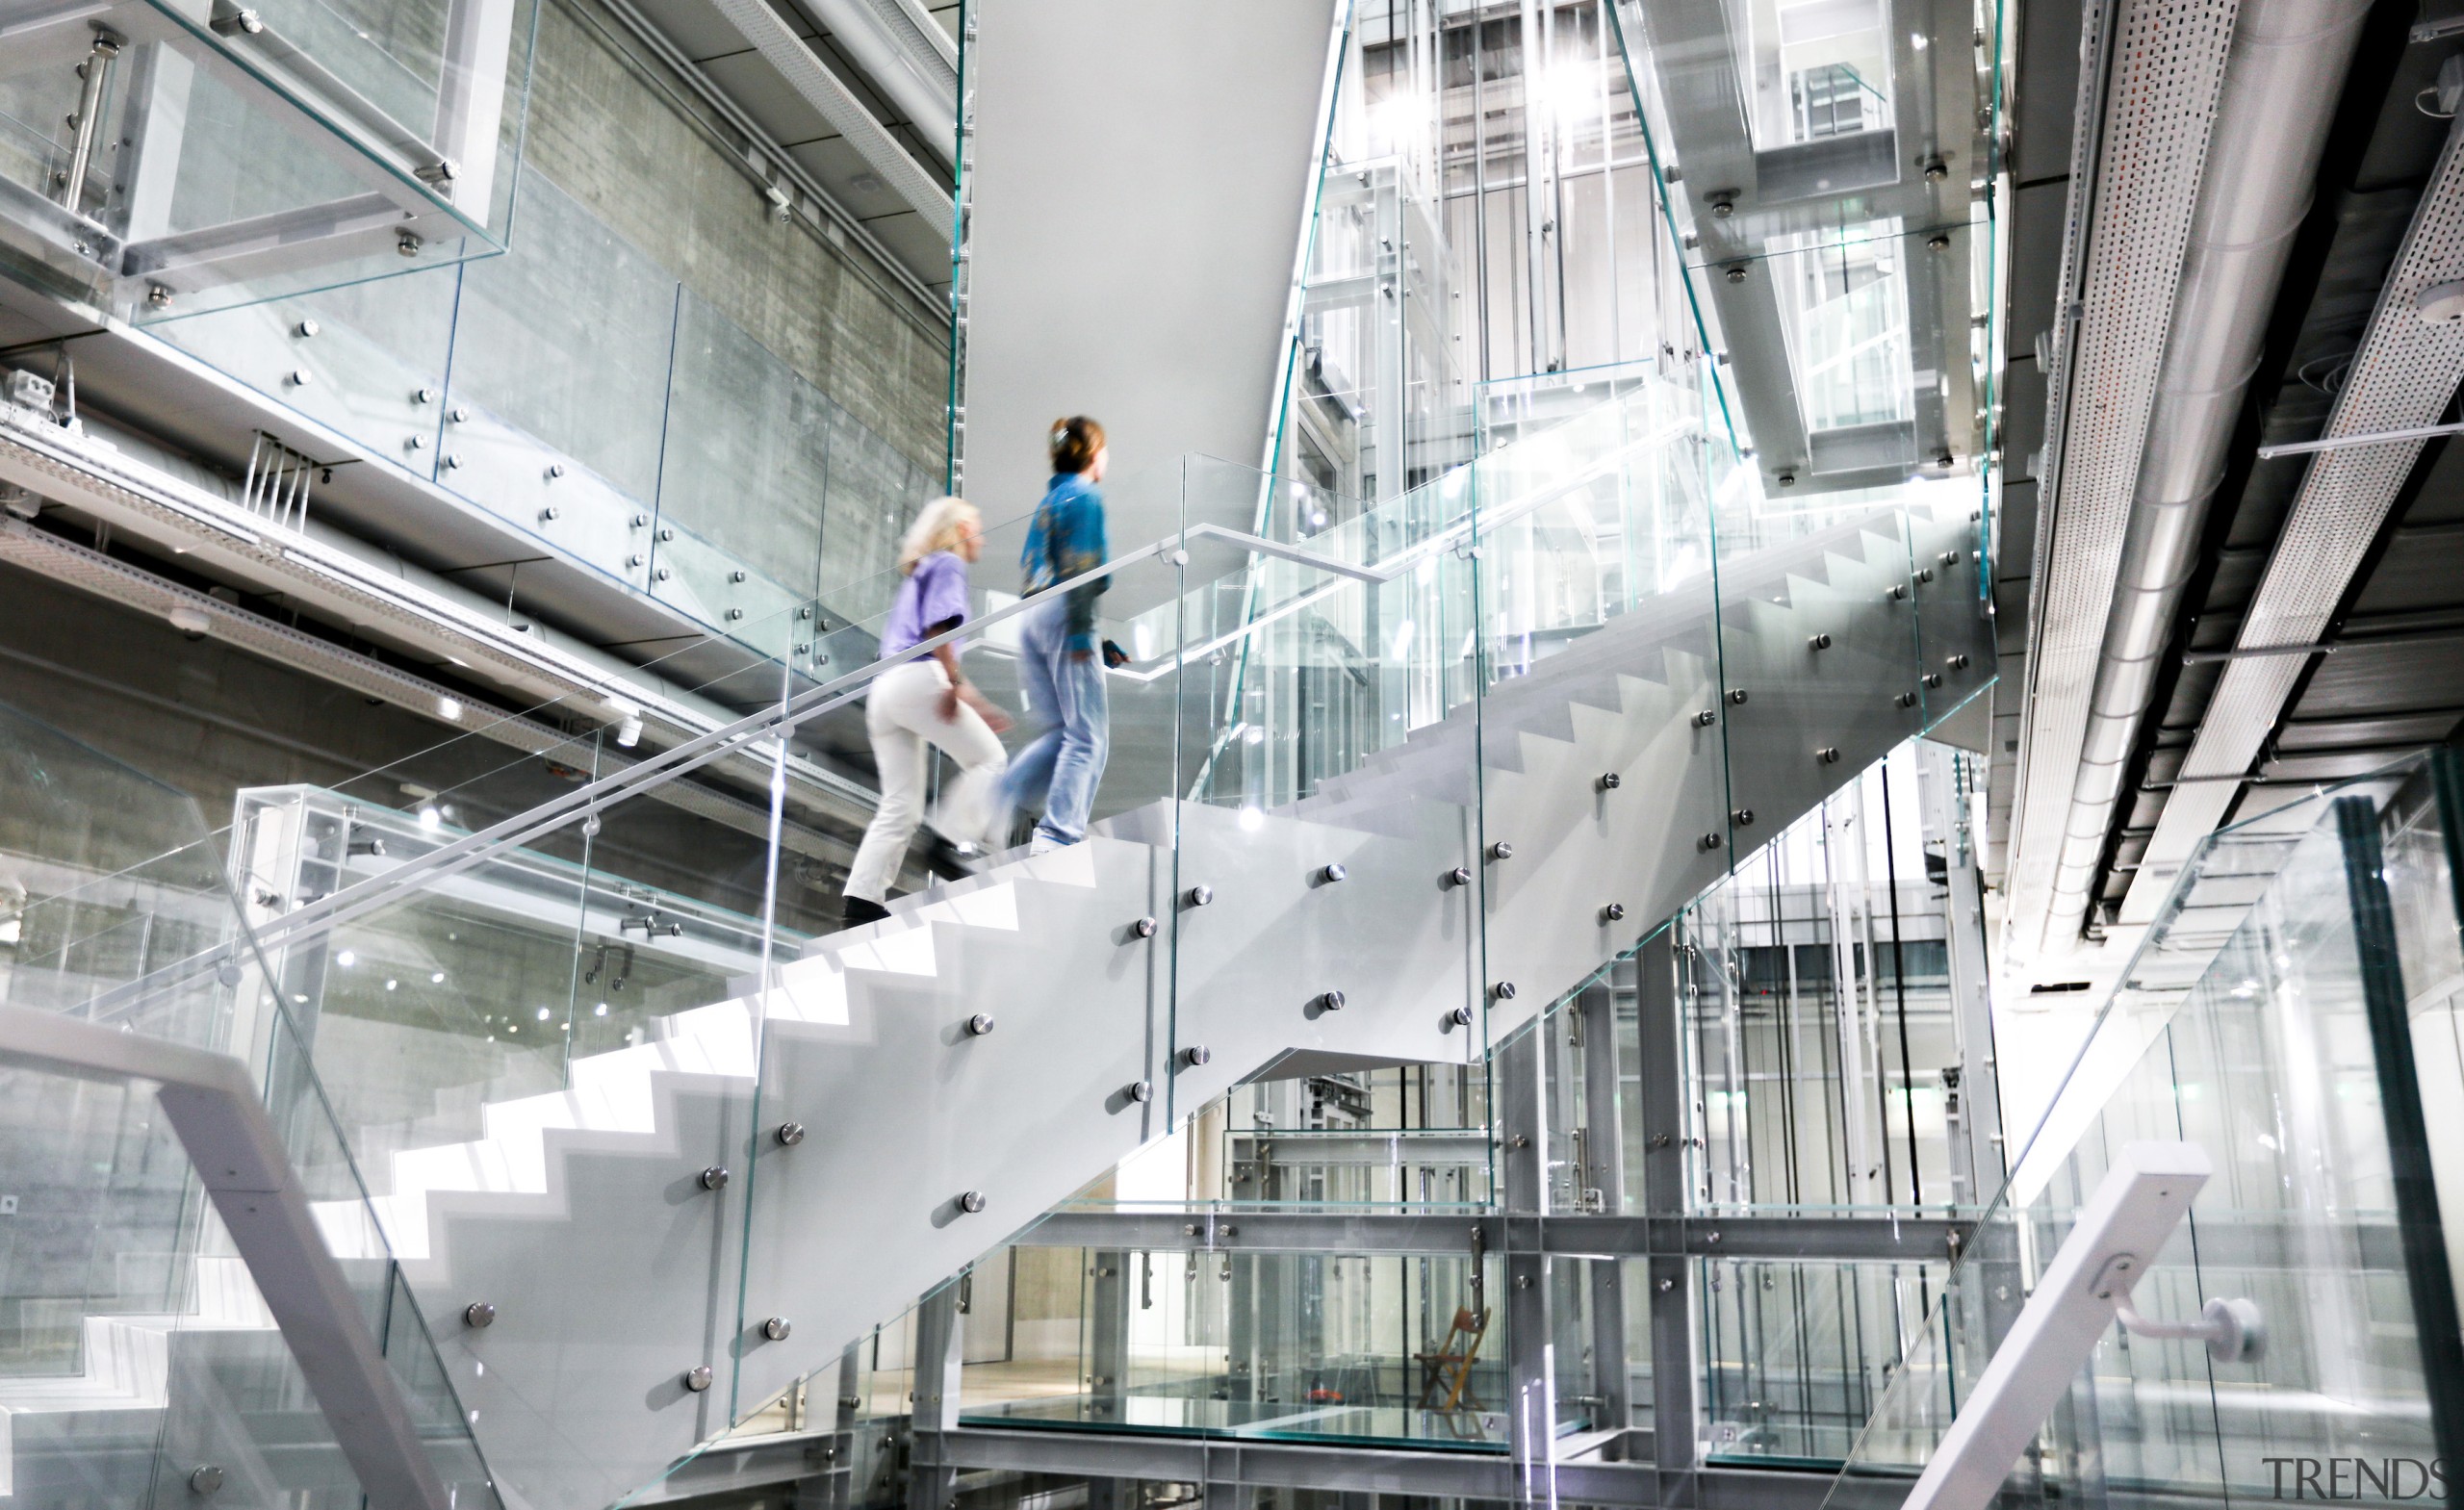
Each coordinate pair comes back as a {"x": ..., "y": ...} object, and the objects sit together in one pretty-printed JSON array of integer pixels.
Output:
[
  {"x": 907, "y": 57},
  {"x": 2281, "y": 83},
  {"x": 770, "y": 35},
  {"x": 2213, "y": 115},
  {"x": 2403, "y": 378}
]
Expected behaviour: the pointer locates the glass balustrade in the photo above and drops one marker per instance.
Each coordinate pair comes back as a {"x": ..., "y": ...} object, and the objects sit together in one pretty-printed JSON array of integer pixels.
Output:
[
  {"x": 1330, "y": 851},
  {"x": 161, "y": 158},
  {"x": 139, "y": 1358},
  {"x": 2287, "y": 1015},
  {"x": 681, "y": 459}
]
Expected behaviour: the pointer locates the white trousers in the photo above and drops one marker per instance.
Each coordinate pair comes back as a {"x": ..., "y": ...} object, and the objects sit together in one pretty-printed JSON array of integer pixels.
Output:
[{"x": 903, "y": 714}]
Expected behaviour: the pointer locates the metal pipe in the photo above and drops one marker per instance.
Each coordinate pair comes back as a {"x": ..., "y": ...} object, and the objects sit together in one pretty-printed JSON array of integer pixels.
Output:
[
  {"x": 2337, "y": 442},
  {"x": 918, "y": 80},
  {"x": 2281, "y": 83},
  {"x": 97, "y": 74}
]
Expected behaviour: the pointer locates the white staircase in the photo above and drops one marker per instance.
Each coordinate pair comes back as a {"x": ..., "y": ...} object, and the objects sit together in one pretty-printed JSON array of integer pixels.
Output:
[
  {"x": 616, "y": 1263},
  {"x": 94, "y": 1437}
]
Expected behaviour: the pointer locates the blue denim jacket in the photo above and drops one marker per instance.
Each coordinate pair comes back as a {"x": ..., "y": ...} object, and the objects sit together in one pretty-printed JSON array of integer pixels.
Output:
[{"x": 1065, "y": 538}]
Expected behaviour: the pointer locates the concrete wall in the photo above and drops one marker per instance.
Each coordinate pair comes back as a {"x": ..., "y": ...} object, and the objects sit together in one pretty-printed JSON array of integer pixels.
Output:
[
  {"x": 611, "y": 127},
  {"x": 207, "y": 720}
]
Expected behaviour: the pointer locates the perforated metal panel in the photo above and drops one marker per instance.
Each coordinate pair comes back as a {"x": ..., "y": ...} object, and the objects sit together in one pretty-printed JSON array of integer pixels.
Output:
[
  {"x": 2402, "y": 376},
  {"x": 2166, "y": 70}
]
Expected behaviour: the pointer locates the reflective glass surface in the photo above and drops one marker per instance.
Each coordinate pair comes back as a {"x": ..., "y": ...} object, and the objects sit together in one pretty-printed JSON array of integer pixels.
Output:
[{"x": 2265, "y": 1022}]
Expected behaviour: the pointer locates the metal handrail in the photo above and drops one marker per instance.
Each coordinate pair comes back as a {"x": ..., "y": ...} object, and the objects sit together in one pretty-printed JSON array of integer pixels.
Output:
[{"x": 327, "y": 913}]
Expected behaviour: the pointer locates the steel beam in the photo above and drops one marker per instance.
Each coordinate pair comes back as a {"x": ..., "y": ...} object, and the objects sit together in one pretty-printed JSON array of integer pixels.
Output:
[
  {"x": 1522, "y": 1100},
  {"x": 1572, "y": 1235},
  {"x": 1234, "y": 1462},
  {"x": 1232, "y": 1469},
  {"x": 939, "y": 1356}
]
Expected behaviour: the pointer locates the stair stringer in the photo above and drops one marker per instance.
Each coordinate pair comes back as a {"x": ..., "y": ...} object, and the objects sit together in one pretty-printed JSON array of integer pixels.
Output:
[{"x": 1393, "y": 935}]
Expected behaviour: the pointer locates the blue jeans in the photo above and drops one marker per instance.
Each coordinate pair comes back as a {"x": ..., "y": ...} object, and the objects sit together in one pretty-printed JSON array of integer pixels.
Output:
[{"x": 1062, "y": 767}]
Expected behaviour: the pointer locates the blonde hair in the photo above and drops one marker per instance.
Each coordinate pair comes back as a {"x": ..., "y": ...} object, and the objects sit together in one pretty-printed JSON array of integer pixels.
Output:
[{"x": 936, "y": 527}]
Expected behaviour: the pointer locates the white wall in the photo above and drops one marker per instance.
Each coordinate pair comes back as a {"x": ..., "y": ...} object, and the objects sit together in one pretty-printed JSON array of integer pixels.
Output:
[{"x": 1142, "y": 172}]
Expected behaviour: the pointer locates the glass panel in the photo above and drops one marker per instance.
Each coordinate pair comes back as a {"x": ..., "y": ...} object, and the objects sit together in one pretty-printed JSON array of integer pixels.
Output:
[
  {"x": 1601, "y": 662},
  {"x": 1819, "y": 1014},
  {"x": 368, "y": 359},
  {"x": 565, "y": 447},
  {"x": 963, "y": 1063},
  {"x": 1819, "y": 69},
  {"x": 1843, "y": 300},
  {"x": 743, "y": 476},
  {"x": 2423, "y": 842},
  {"x": 1956, "y": 652},
  {"x": 2244, "y": 1028},
  {"x": 1310, "y": 1348},
  {"x": 397, "y": 129},
  {"x": 105, "y": 875},
  {"x": 1795, "y": 1354},
  {"x": 1817, "y": 645}
]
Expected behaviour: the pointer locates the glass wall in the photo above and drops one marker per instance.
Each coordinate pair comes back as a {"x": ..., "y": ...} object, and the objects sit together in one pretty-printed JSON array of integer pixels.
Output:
[
  {"x": 1310, "y": 1348},
  {"x": 580, "y": 394},
  {"x": 2294, "y": 1031},
  {"x": 1379, "y": 794}
]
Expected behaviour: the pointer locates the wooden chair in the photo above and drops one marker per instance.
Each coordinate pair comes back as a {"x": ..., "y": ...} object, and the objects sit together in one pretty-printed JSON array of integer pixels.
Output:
[{"x": 1448, "y": 1370}]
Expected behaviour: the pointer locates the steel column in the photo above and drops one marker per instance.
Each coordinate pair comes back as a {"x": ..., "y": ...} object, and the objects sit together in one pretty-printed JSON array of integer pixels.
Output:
[
  {"x": 1604, "y": 1158},
  {"x": 1522, "y": 1121},
  {"x": 1660, "y": 1056},
  {"x": 932, "y": 1483}
]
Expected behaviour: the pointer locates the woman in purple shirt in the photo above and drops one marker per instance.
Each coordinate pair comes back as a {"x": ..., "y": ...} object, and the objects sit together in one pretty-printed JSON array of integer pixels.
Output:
[{"x": 926, "y": 701}]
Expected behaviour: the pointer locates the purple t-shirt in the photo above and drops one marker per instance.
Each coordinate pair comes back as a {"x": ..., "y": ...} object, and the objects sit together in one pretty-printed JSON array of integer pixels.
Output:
[{"x": 935, "y": 591}]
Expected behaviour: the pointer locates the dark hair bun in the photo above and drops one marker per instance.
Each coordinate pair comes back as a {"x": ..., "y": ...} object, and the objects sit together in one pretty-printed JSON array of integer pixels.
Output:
[{"x": 1074, "y": 443}]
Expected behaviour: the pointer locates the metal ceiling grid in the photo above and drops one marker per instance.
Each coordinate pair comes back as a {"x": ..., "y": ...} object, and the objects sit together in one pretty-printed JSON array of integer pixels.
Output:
[
  {"x": 2403, "y": 376},
  {"x": 2167, "y": 69}
]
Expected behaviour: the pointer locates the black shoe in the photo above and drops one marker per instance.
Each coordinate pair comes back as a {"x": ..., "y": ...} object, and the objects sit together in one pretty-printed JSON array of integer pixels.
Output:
[{"x": 855, "y": 912}]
